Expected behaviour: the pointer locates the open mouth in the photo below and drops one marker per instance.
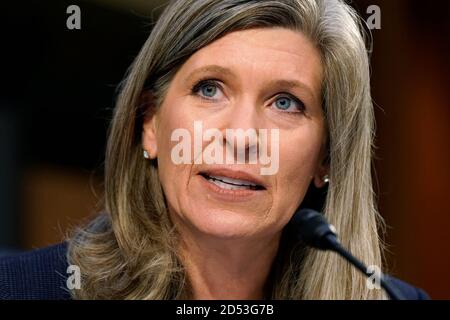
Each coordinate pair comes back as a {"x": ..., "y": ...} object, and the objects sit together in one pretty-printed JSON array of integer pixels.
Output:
[{"x": 232, "y": 184}]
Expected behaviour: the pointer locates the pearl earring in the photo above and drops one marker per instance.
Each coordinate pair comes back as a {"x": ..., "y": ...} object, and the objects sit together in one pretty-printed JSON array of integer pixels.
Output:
[
  {"x": 326, "y": 179},
  {"x": 146, "y": 155}
]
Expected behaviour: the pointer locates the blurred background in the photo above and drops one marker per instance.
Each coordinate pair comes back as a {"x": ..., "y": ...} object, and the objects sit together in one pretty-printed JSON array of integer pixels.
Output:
[{"x": 59, "y": 86}]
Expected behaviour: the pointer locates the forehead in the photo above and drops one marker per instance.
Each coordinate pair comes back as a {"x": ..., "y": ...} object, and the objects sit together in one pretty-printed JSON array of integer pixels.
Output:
[{"x": 263, "y": 53}]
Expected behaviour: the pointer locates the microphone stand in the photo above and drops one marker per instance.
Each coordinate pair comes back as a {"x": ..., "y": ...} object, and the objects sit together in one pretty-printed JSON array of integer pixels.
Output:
[{"x": 314, "y": 230}]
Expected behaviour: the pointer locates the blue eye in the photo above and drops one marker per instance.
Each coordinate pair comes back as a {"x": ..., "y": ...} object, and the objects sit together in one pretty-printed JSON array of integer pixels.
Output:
[
  {"x": 283, "y": 103},
  {"x": 211, "y": 90},
  {"x": 207, "y": 89},
  {"x": 289, "y": 104}
]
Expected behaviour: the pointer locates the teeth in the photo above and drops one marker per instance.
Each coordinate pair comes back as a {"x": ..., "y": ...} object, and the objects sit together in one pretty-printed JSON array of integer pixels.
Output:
[
  {"x": 228, "y": 186},
  {"x": 233, "y": 181}
]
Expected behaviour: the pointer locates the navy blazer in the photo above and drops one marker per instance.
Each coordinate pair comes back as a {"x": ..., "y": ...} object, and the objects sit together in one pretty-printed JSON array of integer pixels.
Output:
[{"x": 42, "y": 274}]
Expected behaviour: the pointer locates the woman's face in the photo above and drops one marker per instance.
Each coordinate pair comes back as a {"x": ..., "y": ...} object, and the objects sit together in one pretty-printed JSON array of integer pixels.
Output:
[{"x": 253, "y": 79}]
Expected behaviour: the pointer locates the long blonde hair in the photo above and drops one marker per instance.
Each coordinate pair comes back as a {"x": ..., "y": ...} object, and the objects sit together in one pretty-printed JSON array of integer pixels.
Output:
[{"x": 129, "y": 251}]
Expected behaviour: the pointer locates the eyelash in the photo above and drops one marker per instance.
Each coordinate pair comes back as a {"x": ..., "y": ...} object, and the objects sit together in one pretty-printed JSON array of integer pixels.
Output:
[{"x": 207, "y": 81}]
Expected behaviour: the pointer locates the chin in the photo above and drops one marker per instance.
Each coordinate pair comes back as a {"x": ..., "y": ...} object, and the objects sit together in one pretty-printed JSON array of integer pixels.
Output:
[{"x": 224, "y": 224}]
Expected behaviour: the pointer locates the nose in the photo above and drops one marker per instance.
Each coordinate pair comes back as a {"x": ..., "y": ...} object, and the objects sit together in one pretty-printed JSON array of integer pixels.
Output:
[{"x": 240, "y": 131}]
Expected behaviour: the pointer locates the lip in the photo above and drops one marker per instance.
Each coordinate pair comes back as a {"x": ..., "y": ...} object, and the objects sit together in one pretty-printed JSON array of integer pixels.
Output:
[
  {"x": 234, "y": 174},
  {"x": 229, "y": 195}
]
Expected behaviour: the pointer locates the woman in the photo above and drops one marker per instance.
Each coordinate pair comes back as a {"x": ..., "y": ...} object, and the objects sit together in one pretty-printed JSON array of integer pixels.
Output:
[{"x": 199, "y": 229}]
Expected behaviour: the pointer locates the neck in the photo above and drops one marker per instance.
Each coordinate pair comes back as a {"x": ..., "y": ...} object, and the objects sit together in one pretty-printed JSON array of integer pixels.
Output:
[{"x": 223, "y": 269}]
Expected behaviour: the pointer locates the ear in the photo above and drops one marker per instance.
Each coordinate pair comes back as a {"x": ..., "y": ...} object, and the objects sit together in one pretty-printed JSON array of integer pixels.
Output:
[
  {"x": 322, "y": 170},
  {"x": 149, "y": 125}
]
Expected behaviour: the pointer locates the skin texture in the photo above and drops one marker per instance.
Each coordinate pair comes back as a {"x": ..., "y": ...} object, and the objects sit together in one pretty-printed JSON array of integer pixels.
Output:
[{"x": 229, "y": 243}]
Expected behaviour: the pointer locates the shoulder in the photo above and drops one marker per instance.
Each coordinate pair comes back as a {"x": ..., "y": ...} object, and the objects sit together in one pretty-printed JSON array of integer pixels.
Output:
[
  {"x": 37, "y": 274},
  {"x": 409, "y": 291},
  {"x": 42, "y": 274}
]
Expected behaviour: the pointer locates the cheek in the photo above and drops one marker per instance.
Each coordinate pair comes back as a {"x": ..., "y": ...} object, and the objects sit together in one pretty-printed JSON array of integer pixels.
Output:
[
  {"x": 170, "y": 119},
  {"x": 299, "y": 161},
  {"x": 174, "y": 177},
  {"x": 299, "y": 158}
]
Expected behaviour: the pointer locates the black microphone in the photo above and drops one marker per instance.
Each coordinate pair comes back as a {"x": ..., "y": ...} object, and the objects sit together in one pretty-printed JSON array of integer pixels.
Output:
[{"x": 312, "y": 228}]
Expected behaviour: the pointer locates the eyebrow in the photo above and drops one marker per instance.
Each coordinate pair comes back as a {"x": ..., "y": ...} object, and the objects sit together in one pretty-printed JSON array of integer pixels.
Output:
[
  {"x": 278, "y": 83},
  {"x": 210, "y": 68}
]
